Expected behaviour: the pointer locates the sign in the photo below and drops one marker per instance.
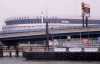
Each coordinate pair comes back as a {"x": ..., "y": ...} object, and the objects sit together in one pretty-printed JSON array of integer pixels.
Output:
[
  {"x": 85, "y": 9},
  {"x": 91, "y": 50},
  {"x": 75, "y": 49},
  {"x": 51, "y": 43},
  {"x": 60, "y": 49},
  {"x": 56, "y": 42},
  {"x": 86, "y": 42}
]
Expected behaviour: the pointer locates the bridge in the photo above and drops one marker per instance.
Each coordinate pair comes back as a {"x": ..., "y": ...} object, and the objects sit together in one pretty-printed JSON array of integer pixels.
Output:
[
  {"x": 58, "y": 32},
  {"x": 15, "y": 38}
]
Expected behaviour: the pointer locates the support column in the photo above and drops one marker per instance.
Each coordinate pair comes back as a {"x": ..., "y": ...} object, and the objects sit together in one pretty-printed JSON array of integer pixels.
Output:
[
  {"x": 1, "y": 51},
  {"x": 16, "y": 48},
  {"x": 9, "y": 51}
]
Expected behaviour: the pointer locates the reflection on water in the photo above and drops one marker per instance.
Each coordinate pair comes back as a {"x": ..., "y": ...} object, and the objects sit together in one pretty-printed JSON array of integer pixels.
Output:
[{"x": 13, "y": 60}]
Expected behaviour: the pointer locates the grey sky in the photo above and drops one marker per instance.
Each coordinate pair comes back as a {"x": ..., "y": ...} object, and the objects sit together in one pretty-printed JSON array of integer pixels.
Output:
[{"x": 62, "y": 8}]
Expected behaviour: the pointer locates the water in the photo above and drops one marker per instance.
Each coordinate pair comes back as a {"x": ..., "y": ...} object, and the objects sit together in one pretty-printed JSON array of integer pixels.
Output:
[{"x": 20, "y": 60}]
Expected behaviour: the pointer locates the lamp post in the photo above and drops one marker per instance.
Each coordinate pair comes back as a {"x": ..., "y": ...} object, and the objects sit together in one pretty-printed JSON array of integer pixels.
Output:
[
  {"x": 82, "y": 7},
  {"x": 86, "y": 20},
  {"x": 47, "y": 34},
  {"x": 83, "y": 21}
]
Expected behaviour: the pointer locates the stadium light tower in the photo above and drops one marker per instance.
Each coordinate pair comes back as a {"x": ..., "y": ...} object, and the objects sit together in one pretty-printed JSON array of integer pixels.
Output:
[{"x": 85, "y": 12}]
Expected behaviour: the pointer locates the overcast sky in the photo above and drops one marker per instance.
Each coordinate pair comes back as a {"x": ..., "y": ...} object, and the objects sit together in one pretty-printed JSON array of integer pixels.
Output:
[{"x": 61, "y": 8}]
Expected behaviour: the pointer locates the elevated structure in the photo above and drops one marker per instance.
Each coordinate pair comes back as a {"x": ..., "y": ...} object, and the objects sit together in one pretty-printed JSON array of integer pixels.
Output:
[
  {"x": 21, "y": 27},
  {"x": 57, "y": 32},
  {"x": 24, "y": 27},
  {"x": 64, "y": 35}
]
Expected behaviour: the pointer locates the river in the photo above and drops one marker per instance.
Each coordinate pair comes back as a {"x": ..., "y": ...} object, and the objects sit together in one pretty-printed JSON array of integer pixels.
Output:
[{"x": 20, "y": 60}]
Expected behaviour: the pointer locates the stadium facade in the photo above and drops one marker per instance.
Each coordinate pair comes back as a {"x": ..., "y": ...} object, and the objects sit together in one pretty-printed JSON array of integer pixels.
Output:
[{"x": 29, "y": 24}]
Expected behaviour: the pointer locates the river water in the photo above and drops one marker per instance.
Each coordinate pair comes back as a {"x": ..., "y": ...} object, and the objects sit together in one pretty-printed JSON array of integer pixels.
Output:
[{"x": 20, "y": 60}]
